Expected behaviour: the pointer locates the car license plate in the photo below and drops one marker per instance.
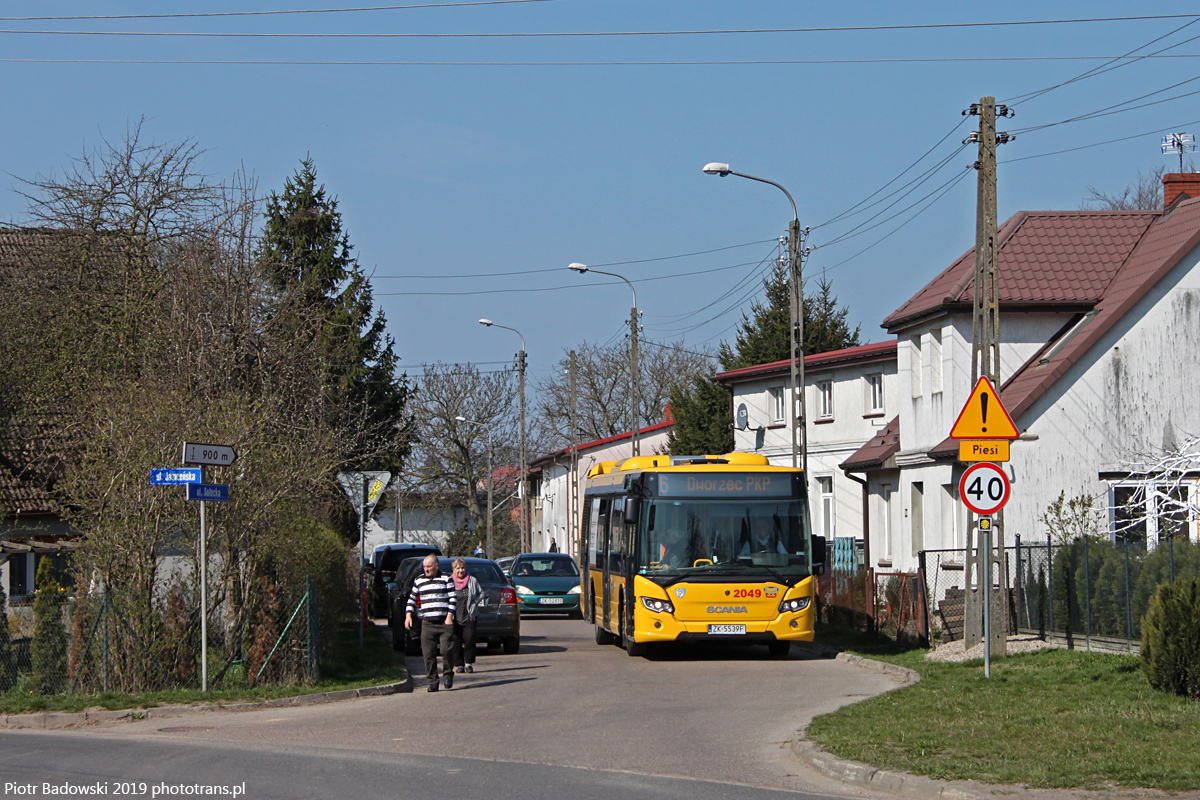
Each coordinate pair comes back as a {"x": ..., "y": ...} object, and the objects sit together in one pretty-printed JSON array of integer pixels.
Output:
[
  {"x": 727, "y": 629},
  {"x": 551, "y": 601}
]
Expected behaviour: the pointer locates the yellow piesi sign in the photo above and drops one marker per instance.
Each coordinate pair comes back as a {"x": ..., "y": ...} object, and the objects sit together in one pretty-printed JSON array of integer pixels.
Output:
[
  {"x": 984, "y": 416},
  {"x": 996, "y": 450}
]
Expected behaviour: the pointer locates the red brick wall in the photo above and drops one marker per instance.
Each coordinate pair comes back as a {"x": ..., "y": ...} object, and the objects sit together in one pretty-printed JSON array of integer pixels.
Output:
[{"x": 1177, "y": 183}]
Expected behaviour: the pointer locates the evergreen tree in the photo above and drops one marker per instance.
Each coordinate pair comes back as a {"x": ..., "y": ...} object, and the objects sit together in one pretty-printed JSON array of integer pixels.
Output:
[
  {"x": 701, "y": 410},
  {"x": 307, "y": 258},
  {"x": 8, "y": 660},
  {"x": 48, "y": 650}
]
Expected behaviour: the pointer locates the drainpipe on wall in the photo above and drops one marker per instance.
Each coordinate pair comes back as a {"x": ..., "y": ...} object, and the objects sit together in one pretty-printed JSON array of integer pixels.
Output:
[{"x": 866, "y": 528}]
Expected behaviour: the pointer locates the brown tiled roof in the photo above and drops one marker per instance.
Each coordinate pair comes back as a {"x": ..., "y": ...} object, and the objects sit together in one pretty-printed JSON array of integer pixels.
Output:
[
  {"x": 878, "y": 450},
  {"x": 1161, "y": 248},
  {"x": 29, "y": 465},
  {"x": 876, "y": 351},
  {"x": 1047, "y": 259}
]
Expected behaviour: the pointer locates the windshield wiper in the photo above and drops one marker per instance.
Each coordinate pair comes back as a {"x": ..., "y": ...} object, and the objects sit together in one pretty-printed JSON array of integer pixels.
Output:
[{"x": 707, "y": 569}]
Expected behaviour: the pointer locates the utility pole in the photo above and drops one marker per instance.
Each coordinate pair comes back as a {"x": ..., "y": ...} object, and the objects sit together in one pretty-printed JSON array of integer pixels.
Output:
[
  {"x": 985, "y": 615},
  {"x": 796, "y": 310},
  {"x": 523, "y": 487},
  {"x": 635, "y": 395},
  {"x": 573, "y": 470}
]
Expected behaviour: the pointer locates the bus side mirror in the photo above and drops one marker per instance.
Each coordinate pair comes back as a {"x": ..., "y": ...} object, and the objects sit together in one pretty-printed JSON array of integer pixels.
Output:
[
  {"x": 818, "y": 554},
  {"x": 633, "y": 509}
]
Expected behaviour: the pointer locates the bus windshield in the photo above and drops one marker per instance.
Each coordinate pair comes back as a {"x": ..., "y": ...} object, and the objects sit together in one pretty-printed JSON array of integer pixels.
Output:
[{"x": 754, "y": 537}]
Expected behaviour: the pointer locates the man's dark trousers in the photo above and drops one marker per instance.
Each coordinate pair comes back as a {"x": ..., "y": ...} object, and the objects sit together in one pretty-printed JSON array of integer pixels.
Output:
[{"x": 435, "y": 637}]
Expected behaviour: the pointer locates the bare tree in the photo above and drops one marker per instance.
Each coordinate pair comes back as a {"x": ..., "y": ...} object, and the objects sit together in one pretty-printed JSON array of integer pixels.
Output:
[
  {"x": 1145, "y": 193},
  {"x": 603, "y": 388}
]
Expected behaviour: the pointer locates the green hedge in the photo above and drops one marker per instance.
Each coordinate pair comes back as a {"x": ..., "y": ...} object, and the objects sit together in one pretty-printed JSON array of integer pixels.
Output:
[{"x": 1171, "y": 639}]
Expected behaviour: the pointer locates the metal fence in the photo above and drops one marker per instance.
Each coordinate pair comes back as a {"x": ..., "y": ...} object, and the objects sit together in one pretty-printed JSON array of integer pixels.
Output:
[
  {"x": 101, "y": 641},
  {"x": 1090, "y": 592}
]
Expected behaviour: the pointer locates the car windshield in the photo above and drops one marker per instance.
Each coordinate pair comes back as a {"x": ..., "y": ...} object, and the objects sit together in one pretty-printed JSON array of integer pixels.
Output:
[
  {"x": 752, "y": 537},
  {"x": 545, "y": 567}
]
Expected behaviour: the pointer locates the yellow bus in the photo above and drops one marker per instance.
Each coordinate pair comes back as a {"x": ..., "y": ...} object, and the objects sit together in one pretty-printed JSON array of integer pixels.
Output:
[{"x": 699, "y": 549}]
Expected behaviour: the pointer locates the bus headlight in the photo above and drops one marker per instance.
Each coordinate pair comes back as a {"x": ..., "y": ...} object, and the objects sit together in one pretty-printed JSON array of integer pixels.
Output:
[
  {"x": 795, "y": 604},
  {"x": 658, "y": 606}
]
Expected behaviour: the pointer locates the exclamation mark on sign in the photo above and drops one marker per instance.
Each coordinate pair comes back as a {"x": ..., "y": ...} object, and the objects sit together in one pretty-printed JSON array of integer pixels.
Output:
[{"x": 983, "y": 397}]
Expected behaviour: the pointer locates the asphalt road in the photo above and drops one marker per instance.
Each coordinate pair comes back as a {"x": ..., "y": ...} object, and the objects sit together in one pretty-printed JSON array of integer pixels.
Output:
[{"x": 564, "y": 718}]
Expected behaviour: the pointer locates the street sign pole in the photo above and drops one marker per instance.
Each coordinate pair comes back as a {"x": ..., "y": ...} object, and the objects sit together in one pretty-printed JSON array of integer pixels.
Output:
[
  {"x": 362, "y": 559},
  {"x": 203, "y": 594},
  {"x": 985, "y": 531}
]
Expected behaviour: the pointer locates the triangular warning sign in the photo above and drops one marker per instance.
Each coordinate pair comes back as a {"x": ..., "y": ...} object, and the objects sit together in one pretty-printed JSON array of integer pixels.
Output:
[{"x": 984, "y": 416}]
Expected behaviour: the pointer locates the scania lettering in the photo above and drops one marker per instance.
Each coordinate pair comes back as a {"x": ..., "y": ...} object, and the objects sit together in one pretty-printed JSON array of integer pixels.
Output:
[{"x": 671, "y": 541}]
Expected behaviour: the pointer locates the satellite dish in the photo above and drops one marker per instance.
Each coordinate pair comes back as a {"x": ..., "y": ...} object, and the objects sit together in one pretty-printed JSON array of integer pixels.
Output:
[{"x": 743, "y": 417}]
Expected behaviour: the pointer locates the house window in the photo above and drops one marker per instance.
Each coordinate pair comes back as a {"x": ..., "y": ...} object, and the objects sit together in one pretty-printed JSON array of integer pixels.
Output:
[
  {"x": 885, "y": 492},
  {"x": 825, "y": 490},
  {"x": 935, "y": 362},
  {"x": 777, "y": 405},
  {"x": 824, "y": 399},
  {"x": 1148, "y": 513},
  {"x": 1128, "y": 504},
  {"x": 874, "y": 393},
  {"x": 915, "y": 365},
  {"x": 952, "y": 528}
]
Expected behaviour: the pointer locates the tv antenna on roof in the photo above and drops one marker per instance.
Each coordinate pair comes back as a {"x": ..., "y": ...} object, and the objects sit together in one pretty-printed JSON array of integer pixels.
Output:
[{"x": 1178, "y": 143}]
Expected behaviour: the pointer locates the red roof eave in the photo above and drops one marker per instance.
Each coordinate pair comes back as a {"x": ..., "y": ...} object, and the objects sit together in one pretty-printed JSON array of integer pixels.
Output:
[{"x": 864, "y": 353}]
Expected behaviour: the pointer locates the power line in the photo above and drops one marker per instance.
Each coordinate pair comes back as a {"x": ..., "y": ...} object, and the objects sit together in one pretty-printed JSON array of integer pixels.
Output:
[
  {"x": 694, "y": 63},
  {"x": 267, "y": 13},
  {"x": 554, "y": 34},
  {"x": 1116, "y": 108},
  {"x": 1107, "y": 141}
]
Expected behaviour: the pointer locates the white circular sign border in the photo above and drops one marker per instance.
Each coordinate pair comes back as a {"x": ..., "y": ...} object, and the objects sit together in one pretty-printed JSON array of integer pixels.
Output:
[{"x": 962, "y": 485}]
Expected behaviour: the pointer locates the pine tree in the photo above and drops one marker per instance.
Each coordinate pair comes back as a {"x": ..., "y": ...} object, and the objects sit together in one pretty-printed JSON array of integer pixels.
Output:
[
  {"x": 701, "y": 413},
  {"x": 48, "y": 650},
  {"x": 307, "y": 258}
]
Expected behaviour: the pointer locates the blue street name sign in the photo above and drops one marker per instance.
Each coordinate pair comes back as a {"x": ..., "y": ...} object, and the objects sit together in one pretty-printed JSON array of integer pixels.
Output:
[
  {"x": 212, "y": 492},
  {"x": 174, "y": 477}
]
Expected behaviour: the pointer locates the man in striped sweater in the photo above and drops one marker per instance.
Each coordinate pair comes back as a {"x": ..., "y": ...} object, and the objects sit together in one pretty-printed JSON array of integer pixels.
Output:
[{"x": 433, "y": 599}]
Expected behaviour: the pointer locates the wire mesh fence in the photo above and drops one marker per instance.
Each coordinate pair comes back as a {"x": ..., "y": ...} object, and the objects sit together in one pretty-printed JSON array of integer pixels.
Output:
[
  {"x": 104, "y": 641},
  {"x": 1092, "y": 592}
]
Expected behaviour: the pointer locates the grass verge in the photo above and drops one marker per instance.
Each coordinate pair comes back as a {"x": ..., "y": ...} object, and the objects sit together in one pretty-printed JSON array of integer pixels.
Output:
[
  {"x": 1052, "y": 719},
  {"x": 350, "y": 668}
]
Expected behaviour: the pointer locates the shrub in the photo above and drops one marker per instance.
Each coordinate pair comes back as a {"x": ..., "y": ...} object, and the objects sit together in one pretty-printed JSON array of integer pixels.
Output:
[
  {"x": 8, "y": 659},
  {"x": 1171, "y": 639},
  {"x": 48, "y": 650}
]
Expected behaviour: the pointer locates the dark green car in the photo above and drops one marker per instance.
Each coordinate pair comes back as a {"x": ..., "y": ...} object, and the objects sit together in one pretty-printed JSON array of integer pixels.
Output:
[{"x": 546, "y": 583}]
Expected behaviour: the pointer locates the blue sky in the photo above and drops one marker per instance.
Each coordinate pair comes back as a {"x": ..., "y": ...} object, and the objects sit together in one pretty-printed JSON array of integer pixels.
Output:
[{"x": 542, "y": 156}]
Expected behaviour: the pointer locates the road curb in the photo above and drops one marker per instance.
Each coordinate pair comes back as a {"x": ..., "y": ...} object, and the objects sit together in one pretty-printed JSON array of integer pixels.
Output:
[
  {"x": 58, "y": 719},
  {"x": 856, "y": 773}
]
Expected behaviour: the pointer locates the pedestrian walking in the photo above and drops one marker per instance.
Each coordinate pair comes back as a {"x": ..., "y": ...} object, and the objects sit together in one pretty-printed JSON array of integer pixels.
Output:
[
  {"x": 553, "y": 546},
  {"x": 434, "y": 593},
  {"x": 468, "y": 596}
]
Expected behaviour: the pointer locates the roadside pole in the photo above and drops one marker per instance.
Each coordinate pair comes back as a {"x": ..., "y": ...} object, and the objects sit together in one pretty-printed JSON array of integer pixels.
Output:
[{"x": 203, "y": 594}]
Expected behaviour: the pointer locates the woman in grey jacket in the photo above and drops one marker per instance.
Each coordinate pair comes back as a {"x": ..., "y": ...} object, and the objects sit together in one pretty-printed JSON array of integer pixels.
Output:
[{"x": 469, "y": 595}]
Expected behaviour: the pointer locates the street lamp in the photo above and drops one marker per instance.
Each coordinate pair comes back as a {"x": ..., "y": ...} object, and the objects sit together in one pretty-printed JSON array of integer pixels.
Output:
[
  {"x": 526, "y": 537},
  {"x": 635, "y": 393},
  {"x": 488, "y": 430},
  {"x": 796, "y": 303}
]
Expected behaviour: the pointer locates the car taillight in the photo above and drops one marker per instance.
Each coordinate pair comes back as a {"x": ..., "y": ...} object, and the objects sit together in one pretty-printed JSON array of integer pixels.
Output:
[{"x": 508, "y": 596}]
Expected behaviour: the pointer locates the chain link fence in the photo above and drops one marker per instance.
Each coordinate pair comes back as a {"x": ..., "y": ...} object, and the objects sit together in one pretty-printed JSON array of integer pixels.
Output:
[
  {"x": 1092, "y": 590},
  {"x": 103, "y": 641}
]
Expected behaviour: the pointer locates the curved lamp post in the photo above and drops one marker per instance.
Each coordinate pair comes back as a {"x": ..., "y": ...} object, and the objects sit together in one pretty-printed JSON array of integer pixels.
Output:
[
  {"x": 635, "y": 393},
  {"x": 799, "y": 420},
  {"x": 488, "y": 431},
  {"x": 526, "y": 538}
]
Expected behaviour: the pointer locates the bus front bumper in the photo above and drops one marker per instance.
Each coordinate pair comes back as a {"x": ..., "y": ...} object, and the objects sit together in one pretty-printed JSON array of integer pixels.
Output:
[{"x": 652, "y": 627}]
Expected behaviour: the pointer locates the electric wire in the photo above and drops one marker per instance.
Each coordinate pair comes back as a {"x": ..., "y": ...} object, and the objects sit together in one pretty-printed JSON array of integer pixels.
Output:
[
  {"x": 1099, "y": 144},
  {"x": 1115, "y": 108},
  {"x": 750, "y": 276},
  {"x": 281, "y": 12}
]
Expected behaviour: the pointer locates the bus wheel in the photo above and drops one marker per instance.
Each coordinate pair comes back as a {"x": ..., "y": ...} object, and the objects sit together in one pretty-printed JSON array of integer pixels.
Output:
[
  {"x": 603, "y": 636},
  {"x": 779, "y": 649},
  {"x": 634, "y": 649}
]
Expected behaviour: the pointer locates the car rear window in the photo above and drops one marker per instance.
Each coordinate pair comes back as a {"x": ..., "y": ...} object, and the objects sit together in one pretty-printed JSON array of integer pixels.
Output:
[
  {"x": 392, "y": 557},
  {"x": 486, "y": 573},
  {"x": 546, "y": 567}
]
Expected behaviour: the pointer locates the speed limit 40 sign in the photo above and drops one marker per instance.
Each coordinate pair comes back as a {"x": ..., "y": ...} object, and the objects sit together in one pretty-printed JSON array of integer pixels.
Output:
[{"x": 984, "y": 488}]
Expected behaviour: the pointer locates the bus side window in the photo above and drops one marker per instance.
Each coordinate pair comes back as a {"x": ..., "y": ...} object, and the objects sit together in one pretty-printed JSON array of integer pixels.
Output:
[
  {"x": 598, "y": 528},
  {"x": 616, "y": 546}
]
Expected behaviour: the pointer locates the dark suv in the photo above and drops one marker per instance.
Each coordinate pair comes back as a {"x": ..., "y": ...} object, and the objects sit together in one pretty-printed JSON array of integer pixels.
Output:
[
  {"x": 499, "y": 621},
  {"x": 385, "y": 559}
]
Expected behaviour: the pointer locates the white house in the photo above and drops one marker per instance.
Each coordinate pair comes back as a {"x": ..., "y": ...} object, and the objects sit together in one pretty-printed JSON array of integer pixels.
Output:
[
  {"x": 851, "y": 394},
  {"x": 552, "y": 483}
]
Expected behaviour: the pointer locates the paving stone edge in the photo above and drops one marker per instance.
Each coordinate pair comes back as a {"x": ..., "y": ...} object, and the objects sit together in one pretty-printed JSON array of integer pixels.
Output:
[
  {"x": 855, "y": 773},
  {"x": 58, "y": 719}
]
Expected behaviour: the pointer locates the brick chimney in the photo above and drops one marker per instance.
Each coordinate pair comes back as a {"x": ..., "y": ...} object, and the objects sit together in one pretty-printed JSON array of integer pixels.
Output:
[{"x": 1177, "y": 183}]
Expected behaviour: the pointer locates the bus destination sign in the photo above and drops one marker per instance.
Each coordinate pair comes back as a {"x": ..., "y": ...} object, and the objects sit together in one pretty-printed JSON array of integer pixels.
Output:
[{"x": 725, "y": 484}]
